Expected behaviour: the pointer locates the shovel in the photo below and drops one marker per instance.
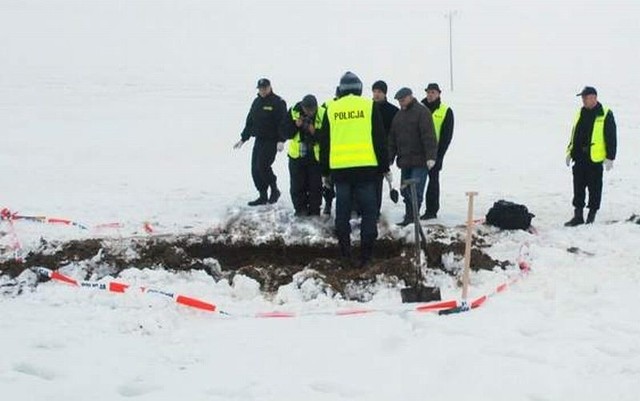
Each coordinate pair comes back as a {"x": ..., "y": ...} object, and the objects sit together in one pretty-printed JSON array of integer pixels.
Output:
[{"x": 419, "y": 292}]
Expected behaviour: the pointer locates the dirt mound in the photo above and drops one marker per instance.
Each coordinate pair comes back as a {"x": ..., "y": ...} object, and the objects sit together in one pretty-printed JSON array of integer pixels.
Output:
[{"x": 272, "y": 263}]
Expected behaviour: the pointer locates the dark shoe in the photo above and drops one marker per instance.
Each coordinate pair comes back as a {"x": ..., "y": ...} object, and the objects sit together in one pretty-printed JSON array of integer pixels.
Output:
[
  {"x": 577, "y": 219},
  {"x": 405, "y": 221},
  {"x": 262, "y": 200},
  {"x": 275, "y": 195},
  {"x": 327, "y": 208},
  {"x": 428, "y": 216},
  {"x": 301, "y": 213},
  {"x": 591, "y": 216},
  {"x": 345, "y": 248},
  {"x": 366, "y": 254}
]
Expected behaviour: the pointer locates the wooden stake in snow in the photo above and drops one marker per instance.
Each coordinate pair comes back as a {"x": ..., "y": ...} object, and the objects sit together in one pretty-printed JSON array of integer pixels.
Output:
[{"x": 467, "y": 249}]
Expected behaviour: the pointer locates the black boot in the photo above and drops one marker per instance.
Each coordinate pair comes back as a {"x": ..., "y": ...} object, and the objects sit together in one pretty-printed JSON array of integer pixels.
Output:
[
  {"x": 428, "y": 216},
  {"x": 345, "y": 252},
  {"x": 327, "y": 207},
  {"x": 275, "y": 193},
  {"x": 366, "y": 253},
  {"x": 408, "y": 216},
  {"x": 577, "y": 219},
  {"x": 591, "y": 216},
  {"x": 262, "y": 199}
]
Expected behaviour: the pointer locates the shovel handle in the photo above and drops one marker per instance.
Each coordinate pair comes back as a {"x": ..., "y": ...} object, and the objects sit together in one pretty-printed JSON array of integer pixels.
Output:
[{"x": 467, "y": 248}]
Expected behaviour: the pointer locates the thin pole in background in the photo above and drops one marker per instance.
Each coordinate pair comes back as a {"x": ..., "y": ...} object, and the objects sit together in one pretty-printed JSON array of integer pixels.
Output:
[{"x": 450, "y": 15}]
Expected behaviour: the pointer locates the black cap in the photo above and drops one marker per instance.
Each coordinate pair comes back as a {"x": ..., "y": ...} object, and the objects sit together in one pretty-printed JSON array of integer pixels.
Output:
[
  {"x": 309, "y": 101},
  {"x": 433, "y": 86},
  {"x": 380, "y": 85},
  {"x": 588, "y": 90},
  {"x": 402, "y": 93},
  {"x": 263, "y": 83},
  {"x": 350, "y": 83}
]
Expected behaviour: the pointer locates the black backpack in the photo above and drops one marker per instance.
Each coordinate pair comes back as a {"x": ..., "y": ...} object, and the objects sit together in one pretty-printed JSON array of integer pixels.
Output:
[{"x": 510, "y": 216}]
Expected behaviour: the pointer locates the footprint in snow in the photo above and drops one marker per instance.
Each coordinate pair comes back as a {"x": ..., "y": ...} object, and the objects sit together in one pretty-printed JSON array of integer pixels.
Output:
[
  {"x": 136, "y": 388},
  {"x": 334, "y": 388},
  {"x": 36, "y": 371}
]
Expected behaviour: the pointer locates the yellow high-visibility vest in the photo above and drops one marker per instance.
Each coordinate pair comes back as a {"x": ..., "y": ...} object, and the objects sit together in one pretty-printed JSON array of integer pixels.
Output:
[
  {"x": 294, "y": 144},
  {"x": 351, "y": 144},
  {"x": 438, "y": 118},
  {"x": 598, "y": 148}
]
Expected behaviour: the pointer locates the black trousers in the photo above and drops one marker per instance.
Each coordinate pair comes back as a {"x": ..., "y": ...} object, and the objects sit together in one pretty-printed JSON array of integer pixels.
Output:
[
  {"x": 263, "y": 156},
  {"x": 306, "y": 185},
  {"x": 587, "y": 175},
  {"x": 432, "y": 198}
]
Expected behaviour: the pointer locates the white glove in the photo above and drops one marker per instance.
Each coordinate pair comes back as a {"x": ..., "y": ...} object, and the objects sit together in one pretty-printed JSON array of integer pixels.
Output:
[
  {"x": 238, "y": 144},
  {"x": 389, "y": 177},
  {"x": 281, "y": 147},
  {"x": 326, "y": 182},
  {"x": 608, "y": 164},
  {"x": 568, "y": 161},
  {"x": 430, "y": 164}
]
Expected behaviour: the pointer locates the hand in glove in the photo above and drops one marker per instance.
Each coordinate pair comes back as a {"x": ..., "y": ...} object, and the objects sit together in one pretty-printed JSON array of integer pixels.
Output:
[
  {"x": 280, "y": 146},
  {"x": 608, "y": 164},
  {"x": 326, "y": 182},
  {"x": 430, "y": 164},
  {"x": 568, "y": 161},
  {"x": 238, "y": 144}
]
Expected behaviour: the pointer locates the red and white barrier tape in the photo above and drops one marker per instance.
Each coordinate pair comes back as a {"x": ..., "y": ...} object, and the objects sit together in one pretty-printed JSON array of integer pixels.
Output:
[{"x": 121, "y": 288}]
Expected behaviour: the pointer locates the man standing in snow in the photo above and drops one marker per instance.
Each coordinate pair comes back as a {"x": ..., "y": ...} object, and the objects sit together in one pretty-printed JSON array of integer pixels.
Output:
[
  {"x": 443, "y": 123},
  {"x": 412, "y": 142},
  {"x": 263, "y": 121},
  {"x": 592, "y": 146},
  {"x": 304, "y": 154},
  {"x": 388, "y": 111},
  {"x": 353, "y": 152}
]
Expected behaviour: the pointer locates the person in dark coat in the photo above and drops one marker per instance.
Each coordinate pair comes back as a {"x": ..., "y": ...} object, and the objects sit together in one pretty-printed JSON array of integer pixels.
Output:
[
  {"x": 388, "y": 111},
  {"x": 263, "y": 122},
  {"x": 353, "y": 153},
  {"x": 412, "y": 143},
  {"x": 592, "y": 146},
  {"x": 299, "y": 128},
  {"x": 443, "y": 123}
]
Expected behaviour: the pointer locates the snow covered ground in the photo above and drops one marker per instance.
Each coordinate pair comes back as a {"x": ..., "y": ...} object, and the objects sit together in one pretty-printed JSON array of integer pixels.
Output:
[{"x": 127, "y": 111}]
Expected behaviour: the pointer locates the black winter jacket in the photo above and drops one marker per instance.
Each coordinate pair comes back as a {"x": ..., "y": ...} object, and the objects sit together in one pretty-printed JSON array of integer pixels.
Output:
[
  {"x": 388, "y": 111},
  {"x": 264, "y": 118}
]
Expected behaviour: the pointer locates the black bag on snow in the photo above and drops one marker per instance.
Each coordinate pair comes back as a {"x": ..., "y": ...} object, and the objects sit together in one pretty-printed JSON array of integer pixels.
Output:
[{"x": 510, "y": 216}]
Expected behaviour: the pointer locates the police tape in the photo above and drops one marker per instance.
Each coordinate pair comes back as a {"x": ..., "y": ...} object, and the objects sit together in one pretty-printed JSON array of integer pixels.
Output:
[
  {"x": 7, "y": 214},
  {"x": 121, "y": 288},
  {"x": 523, "y": 265}
]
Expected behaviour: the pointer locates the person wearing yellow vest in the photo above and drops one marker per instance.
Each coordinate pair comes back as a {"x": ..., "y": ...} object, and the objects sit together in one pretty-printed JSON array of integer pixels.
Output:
[
  {"x": 592, "y": 145},
  {"x": 304, "y": 154},
  {"x": 353, "y": 153},
  {"x": 443, "y": 122}
]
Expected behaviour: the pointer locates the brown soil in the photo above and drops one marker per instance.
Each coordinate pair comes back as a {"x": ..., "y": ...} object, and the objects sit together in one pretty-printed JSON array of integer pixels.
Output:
[{"x": 271, "y": 264}]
